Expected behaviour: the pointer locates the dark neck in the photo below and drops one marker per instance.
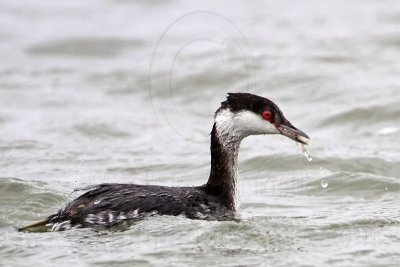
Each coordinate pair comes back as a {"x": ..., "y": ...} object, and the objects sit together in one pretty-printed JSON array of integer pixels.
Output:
[{"x": 223, "y": 174}]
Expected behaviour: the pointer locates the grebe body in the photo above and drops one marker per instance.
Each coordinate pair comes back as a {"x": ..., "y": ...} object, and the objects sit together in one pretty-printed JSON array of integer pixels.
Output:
[{"x": 240, "y": 115}]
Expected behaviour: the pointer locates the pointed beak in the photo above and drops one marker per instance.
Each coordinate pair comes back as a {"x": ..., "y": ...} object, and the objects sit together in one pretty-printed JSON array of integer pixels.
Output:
[{"x": 293, "y": 133}]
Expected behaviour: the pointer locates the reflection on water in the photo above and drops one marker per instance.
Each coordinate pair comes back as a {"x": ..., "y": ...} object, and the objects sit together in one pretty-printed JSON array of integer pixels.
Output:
[{"x": 125, "y": 91}]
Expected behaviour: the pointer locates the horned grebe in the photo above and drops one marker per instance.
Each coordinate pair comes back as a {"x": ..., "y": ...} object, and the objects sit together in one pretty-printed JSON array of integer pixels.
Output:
[{"x": 239, "y": 116}]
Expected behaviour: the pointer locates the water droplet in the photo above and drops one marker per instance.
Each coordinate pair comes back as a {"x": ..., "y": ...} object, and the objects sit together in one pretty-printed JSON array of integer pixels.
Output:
[
  {"x": 386, "y": 188},
  {"x": 305, "y": 152},
  {"x": 324, "y": 183}
]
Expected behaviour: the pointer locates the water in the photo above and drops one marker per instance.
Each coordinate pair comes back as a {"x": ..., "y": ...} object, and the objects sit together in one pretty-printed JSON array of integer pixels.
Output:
[{"x": 124, "y": 91}]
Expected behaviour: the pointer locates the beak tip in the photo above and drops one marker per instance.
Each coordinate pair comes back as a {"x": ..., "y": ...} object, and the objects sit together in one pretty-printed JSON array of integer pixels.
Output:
[
  {"x": 304, "y": 140},
  {"x": 294, "y": 134}
]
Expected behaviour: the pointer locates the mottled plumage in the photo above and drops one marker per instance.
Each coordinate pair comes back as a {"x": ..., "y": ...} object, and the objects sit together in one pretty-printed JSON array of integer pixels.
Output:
[{"x": 109, "y": 204}]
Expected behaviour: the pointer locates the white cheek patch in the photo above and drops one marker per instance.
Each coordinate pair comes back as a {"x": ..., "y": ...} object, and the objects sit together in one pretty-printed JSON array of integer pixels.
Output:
[
  {"x": 242, "y": 124},
  {"x": 250, "y": 123}
]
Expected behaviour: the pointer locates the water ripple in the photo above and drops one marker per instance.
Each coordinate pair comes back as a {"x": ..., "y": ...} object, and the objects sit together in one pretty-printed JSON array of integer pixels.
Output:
[{"x": 89, "y": 47}]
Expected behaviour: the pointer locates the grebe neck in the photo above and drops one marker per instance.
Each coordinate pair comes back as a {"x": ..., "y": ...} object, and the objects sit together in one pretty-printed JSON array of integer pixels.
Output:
[{"x": 225, "y": 143}]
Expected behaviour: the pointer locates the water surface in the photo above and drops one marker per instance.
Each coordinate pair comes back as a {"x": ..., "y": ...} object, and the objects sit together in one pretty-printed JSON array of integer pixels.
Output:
[{"x": 124, "y": 91}]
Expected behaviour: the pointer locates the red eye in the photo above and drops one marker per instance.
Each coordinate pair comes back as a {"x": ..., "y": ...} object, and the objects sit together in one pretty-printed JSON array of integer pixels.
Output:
[{"x": 267, "y": 115}]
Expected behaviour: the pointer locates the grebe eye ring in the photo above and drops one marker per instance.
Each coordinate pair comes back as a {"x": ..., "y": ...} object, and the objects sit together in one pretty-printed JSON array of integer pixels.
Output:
[{"x": 267, "y": 115}]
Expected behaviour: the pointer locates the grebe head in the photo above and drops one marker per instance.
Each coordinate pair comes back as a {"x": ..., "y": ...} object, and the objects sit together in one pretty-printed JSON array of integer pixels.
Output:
[{"x": 244, "y": 114}]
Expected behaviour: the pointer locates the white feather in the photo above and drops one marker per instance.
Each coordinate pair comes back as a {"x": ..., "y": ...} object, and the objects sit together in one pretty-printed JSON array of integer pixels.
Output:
[{"x": 242, "y": 124}]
